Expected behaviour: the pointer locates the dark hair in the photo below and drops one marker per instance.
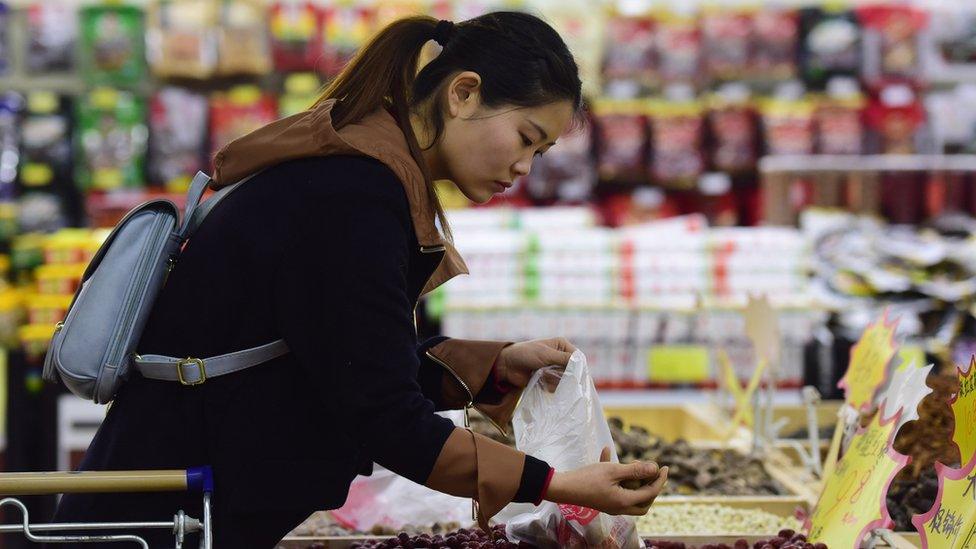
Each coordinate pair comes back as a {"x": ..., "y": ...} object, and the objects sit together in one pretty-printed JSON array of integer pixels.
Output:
[{"x": 522, "y": 61}]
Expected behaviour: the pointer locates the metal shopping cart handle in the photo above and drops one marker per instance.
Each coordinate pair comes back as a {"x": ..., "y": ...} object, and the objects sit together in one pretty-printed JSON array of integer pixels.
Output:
[{"x": 194, "y": 479}]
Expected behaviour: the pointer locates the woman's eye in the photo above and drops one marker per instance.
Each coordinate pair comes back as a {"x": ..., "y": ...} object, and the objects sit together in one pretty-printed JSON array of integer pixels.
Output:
[{"x": 525, "y": 140}]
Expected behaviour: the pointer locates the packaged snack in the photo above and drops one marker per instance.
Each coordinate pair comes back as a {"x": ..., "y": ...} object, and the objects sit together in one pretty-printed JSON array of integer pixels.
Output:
[
  {"x": 11, "y": 111},
  {"x": 177, "y": 137},
  {"x": 949, "y": 44},
  {"x": 296, "y": 35},
  {"x": 345, "y": 28},
  {"x": 621, "y": 139},
  {"x": 787, "y": 124},
  {"x": 5, "y": 59},
  {"x": 716, "y": 200},
  {"x": 182, "y": 38},
  {"x": 301, "y": 90},
  {"x": 52, "y": 32},
  {"x": 581, "y": 27},
  {"x": 726, "y": 41},
  {"x": 112, "y": 45},
  {"x": 45, "y": 139},
  {"x": 951, "y": 117},
  {"x": 891, "y": 35},
  {"x": 243, "y": 45},
  {"x": 775, "y": 34},
  {"x": 629, "y": 57},
  {"x": 894, "y": 117},
  {"x": 676, "y": 148},
  {"x": 566, "y": 172},
  {"x": 839, "y": 118},
  {"x": 830, "y": 45},
  {"x": 241, "y": 110},
  {"x": 110, "y": 141},
  {"x": 44, "y": 182},
  {"x": 732, "y": 127},
  {"x": 679, "y": 47}
]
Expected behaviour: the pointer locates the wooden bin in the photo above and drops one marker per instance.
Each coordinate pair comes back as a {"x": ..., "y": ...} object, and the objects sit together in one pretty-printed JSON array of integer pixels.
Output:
[
  {"x": 703, "y": 425},
  {"x": 345, "y": 542}
]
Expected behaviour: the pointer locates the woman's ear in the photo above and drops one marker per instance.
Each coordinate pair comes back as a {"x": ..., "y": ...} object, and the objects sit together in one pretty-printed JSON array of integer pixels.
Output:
[{"x": 464, "y": 94}]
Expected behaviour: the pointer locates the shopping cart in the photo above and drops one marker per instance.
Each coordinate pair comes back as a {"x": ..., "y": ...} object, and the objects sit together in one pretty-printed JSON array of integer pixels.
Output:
[{"x": 197, "y": 479}]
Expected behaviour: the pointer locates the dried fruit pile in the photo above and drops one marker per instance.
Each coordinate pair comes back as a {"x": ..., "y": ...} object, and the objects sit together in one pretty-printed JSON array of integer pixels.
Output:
[
  {"x": 692, "y": 470},
  {"x": 473, "y": 538},
  {"x": 691, "y": 518},
  {"x": 929, "y": 438},
  {"x": 787, "y": 539},
  {"x": 912, "y": 497}
]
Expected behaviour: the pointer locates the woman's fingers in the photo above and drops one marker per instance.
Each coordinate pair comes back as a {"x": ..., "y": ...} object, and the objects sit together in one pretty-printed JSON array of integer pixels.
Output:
[
  {"x": 645, "y": 495},
  {"x": 564, "y": 345},
  {"x": 638, "y": 470},
  {"x": 605, "y": 454},
  {"x": 555, "y": 356}
]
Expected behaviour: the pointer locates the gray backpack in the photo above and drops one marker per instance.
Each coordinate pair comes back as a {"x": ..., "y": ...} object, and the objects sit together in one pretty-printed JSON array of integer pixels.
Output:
[{"x": 93, "y": 348}]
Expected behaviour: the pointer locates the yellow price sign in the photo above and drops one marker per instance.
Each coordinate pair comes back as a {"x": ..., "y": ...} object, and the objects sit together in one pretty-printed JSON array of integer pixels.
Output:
[
  {"x": 868, "y": 366},
  {"x": 964, "y": 409},
  {"x": 742, "y": 397},
  {"x": 762, "y": 327},
  {"x": 951, "y": 522},
  {"x": 853, "y": 500}
]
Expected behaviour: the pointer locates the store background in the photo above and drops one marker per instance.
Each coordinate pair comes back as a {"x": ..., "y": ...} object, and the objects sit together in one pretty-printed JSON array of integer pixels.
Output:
[{"x": 708, "y": 170}]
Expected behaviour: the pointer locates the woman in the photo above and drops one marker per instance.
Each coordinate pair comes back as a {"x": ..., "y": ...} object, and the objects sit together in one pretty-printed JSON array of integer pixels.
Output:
[{"x": 329, "y": 247}]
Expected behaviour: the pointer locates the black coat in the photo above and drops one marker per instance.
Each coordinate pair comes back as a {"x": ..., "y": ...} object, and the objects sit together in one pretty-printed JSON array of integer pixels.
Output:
[{"x": 320, "y": 252}]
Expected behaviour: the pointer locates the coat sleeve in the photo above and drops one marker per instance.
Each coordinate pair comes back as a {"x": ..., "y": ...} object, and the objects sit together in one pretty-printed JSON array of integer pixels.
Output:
[{"x": 348, "y": 264}]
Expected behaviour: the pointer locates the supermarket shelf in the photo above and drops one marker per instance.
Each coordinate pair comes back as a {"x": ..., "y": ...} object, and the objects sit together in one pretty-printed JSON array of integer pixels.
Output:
[
  {"x": 668, "y": 397},
  {"x": 867, "y": 163},
  {"x": 669, "y": 305}
]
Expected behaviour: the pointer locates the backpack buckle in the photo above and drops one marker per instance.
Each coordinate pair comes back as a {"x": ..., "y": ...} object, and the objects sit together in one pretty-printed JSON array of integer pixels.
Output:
[{"x": 194, "y": 361}]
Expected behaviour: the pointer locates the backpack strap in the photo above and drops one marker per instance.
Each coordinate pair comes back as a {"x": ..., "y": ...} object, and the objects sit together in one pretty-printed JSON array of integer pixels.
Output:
[
  {"x": 195, "y": 210},
  {"x": 194, "y": 371}
]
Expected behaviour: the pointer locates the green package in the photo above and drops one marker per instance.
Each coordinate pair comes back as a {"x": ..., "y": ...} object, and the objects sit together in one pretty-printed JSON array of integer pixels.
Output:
[
  {"x": 111, "y": 140},
  {"x": 113, "y": 45}
]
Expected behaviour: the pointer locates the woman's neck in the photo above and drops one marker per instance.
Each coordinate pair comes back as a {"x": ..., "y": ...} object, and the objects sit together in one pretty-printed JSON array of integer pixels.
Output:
[{"x": 431, "y": 154}]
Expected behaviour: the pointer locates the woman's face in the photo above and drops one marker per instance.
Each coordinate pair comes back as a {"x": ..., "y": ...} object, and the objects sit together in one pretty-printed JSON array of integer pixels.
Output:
[{"x": 482, "y": 150}]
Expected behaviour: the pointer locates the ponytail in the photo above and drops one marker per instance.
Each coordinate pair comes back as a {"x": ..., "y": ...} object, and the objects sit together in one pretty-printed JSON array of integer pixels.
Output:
[{"x": 382, "y": 75}]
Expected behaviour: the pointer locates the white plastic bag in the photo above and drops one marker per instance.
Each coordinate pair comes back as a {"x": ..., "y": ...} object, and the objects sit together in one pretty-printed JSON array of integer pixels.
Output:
[
  {"x": 565, "y": 428},
  {"x": 391, "y": 502}
]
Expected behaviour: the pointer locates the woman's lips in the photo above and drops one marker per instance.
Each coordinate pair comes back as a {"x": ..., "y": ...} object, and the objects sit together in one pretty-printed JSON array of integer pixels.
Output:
[{"x": 502, "y": 185}]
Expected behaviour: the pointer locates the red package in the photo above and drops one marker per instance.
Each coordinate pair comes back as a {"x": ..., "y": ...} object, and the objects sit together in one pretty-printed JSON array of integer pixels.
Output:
[
  {"x": 775, "y": 34},
  {"x": 296, "y": 35},
  {"x": 891, "y": 35},
  {"x": 839, "y": 119},
  {"x": 895, "y": 117},
  {"x": 788, "y": 126},
  {"x": 679, "y": 48},
  {"x": 621, "y": 136},
  {"x": 676, "y": 158},
  {"x": 240, "y": 111},
  {"x": 565, "y": 172},
  {"x": 732, "y": 126},
  {"x": 726, "y": 37},
  {"x": 628, "y": 61},
  {"x": 345, "y": 28}
]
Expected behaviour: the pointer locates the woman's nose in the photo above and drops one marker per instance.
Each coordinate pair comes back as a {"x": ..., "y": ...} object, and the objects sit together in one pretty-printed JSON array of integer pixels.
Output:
[{"x": 522, "y": 167}]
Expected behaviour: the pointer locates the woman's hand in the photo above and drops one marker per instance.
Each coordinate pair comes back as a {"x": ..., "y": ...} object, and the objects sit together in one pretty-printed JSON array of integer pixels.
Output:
[
  {"x": 599, "y": 486},
  {"x": 519, "y": 361}
]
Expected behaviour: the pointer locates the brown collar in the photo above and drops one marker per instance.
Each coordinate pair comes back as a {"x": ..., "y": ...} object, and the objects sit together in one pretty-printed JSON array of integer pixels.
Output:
[{"x": 311, "y": 133}]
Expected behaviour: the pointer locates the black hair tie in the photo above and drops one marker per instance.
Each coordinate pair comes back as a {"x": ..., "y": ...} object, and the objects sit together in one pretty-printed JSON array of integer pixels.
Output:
[{"x": 443, "y": 32}]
